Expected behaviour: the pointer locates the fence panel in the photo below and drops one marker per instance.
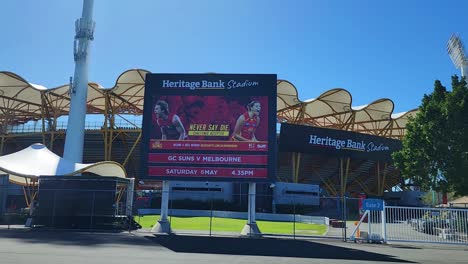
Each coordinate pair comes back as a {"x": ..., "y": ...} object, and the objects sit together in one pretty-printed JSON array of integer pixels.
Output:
[
  {"x": 210, "y": 214},
  {"x": 88, "y": 209},
  {"x": 428, "y": 225}
]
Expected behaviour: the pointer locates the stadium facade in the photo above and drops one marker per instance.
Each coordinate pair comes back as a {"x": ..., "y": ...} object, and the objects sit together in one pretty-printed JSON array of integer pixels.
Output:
[{"x": 32, "y": 114}]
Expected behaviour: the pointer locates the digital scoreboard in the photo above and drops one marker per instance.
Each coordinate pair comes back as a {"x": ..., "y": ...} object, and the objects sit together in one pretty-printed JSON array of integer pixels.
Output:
[{"x": 209, "y": 127}]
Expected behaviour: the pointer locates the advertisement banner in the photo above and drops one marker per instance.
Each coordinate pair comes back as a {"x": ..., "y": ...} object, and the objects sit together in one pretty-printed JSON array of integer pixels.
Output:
[
  {"x": 224, "y": 121},
  {"x": 208, "y": 172},
  {"x": 208, "y": 158},
  {"x": 308, "y": 139}
]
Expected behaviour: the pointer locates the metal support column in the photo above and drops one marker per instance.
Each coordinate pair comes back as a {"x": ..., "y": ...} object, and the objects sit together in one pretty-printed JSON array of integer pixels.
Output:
[
  {"x": 251, "y": 228},
  {"x": 384, "y": 224},
  {"x": 163, "y": 225},
  {"x": 129, "y": 202}
]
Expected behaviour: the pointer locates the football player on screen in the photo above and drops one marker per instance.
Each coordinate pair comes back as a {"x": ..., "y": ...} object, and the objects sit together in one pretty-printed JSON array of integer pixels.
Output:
[
  {"x": 170, "y": 124},
  {"x": 247, "y": 123}
]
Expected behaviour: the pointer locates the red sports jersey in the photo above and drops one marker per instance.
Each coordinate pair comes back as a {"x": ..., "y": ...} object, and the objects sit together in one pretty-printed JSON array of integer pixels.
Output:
[
  {"x": 168, "y": 128},
  {"x": 249, "y": 127}
]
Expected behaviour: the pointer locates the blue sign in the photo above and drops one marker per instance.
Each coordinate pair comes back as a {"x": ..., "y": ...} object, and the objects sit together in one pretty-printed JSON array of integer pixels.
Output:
[{"x": 372, "y": 204}]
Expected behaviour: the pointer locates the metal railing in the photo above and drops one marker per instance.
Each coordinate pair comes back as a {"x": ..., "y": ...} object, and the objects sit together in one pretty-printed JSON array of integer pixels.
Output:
[
  {"x": 410, "y": 224},
  {"x": 429, "y": 225},
  {"x": 89, "y": 125}
]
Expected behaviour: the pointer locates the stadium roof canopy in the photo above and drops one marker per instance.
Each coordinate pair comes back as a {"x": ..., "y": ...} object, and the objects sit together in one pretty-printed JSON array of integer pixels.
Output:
[
  {"x": 22, "y": 101},
  {"x": 333, "y": 109},
  {"x": 43, "y": 162}
]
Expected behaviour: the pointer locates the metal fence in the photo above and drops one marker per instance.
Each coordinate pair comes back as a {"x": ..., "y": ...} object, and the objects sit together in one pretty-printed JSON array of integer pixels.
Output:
[
  {"x": 410, "y": 224},
  {"x": 67, "y": 208},
  {"x": 429, "y": 225},
  {"x": 37, "y": 127},
  {"x": 326, "y": 217},
  {"x": 208, "y": 214}
]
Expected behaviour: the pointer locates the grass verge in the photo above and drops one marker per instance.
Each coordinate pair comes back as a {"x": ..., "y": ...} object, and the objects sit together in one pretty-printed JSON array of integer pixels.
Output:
[{"x": 234, "y": 225}]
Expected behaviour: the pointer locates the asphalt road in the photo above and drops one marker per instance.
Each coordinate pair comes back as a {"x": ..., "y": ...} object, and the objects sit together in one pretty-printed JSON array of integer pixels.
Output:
[{"x": 41, "y": 246}]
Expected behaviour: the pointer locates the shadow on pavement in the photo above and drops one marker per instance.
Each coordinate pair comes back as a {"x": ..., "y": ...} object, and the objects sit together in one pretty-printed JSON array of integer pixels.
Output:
[
  {"x": 266, "y": 247},
  {"x": 74, "y": 238}
]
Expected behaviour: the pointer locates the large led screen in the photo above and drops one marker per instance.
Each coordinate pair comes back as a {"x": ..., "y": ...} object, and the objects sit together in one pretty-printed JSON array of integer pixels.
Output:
[{"x": 209, "y": 127}]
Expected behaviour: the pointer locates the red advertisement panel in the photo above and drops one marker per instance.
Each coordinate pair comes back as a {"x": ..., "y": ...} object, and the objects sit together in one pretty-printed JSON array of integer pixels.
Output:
[
  {"x": 207, "y": 158},
  {"x": 227, "y": 118},
  {"x": 207, "y": 172},
  {"x": 208, "y": 145}
]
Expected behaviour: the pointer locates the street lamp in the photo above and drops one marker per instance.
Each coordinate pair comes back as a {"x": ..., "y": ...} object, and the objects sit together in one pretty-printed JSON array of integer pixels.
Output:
[{"x": 456, "y": 51}]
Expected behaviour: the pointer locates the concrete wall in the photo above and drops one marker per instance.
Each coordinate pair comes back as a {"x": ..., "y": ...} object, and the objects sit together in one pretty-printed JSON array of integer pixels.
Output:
[
  {"x": 296, "y": 193},
  {"x": 200, "y": 191}
]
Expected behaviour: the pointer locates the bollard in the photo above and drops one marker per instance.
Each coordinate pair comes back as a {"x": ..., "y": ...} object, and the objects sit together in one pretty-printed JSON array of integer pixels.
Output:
[{"x": 358, "y": 232}]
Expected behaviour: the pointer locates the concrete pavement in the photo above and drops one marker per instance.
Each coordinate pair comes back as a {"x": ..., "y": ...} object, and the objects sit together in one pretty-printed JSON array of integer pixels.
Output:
[{"x": 39, "y": 246}]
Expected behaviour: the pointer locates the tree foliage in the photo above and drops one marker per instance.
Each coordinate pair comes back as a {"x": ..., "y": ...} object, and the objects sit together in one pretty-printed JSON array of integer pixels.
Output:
[
  {"x": 435, "y": 148},
  {"x": 432, "y": 198}
]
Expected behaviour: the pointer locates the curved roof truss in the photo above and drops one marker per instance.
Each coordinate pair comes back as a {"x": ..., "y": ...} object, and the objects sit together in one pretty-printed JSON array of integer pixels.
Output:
[{"x": 22, "y": 101}]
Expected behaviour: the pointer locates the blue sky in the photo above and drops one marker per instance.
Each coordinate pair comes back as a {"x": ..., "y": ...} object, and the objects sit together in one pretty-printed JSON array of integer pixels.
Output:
[{"x": 374, "y": 49}]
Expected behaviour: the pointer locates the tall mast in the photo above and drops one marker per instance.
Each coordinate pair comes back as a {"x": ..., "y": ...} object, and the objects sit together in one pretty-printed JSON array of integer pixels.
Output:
[{"x": 84, "y": 29}]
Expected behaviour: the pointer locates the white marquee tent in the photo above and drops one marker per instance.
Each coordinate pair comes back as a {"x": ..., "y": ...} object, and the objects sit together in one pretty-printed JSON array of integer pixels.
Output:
[{"x": 25, "y": 166}]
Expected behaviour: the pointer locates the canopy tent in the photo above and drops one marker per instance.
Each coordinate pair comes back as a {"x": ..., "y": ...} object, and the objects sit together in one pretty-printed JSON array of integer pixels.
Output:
[{"x": 25, "y": 166}]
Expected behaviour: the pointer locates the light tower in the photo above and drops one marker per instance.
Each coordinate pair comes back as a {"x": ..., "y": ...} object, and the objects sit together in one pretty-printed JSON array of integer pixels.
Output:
[
  {"x": 84, "y": 29},
  {"x": 457, "y": 53}
]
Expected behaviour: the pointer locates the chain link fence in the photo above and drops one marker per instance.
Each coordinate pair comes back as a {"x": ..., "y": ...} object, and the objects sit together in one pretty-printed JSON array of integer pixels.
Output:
[
  {"x": 201, "y": 213},
  {"x": 87, "y": 208},
  {"x": 210, "y": 214}
]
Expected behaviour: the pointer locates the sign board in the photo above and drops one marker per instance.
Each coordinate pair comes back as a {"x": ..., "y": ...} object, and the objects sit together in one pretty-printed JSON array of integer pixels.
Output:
[
  {"x": 209, "y": 127},
  {"x": 309, "y": 139},
  {"x": 372, "y": 204}
]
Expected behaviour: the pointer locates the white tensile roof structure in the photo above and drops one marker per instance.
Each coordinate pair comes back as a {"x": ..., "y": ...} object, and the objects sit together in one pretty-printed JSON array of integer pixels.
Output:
[
  {"x": 333, "y": 109},
  {"x": 23, "y": 101},
  {"x": 25, "y": 166}
]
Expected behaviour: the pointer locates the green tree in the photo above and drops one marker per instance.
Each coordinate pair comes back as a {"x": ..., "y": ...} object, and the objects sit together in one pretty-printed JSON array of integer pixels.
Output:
[
  {"x": 431, "y": 198},
  {"x": 434, "y": 153},
  {"x": 457, "y": 127}
]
